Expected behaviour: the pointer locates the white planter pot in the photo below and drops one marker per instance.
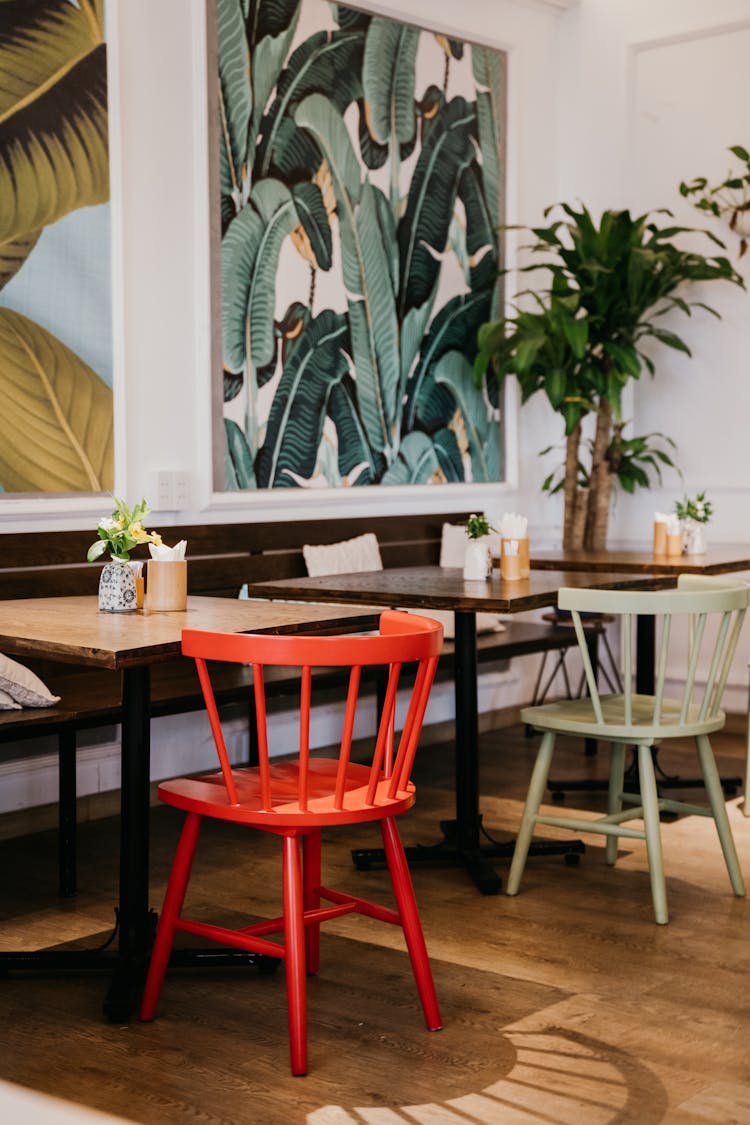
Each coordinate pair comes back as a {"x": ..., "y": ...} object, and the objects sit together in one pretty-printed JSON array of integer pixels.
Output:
[
  {"x": 694, "y": 538},
  {"x": 477, "y": 560}
]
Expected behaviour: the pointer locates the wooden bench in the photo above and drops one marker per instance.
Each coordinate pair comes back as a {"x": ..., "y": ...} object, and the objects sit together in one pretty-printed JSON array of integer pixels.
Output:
[{"x": 222, "y": 557}]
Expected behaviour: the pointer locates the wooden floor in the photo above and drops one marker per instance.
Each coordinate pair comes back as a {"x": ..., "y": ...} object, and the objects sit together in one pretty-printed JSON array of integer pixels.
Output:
[{"x": 566, "y": 1004}]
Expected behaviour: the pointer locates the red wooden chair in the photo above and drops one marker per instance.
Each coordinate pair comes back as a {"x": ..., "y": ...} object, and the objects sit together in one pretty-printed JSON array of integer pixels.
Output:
[{"x": 296, "y": 797}]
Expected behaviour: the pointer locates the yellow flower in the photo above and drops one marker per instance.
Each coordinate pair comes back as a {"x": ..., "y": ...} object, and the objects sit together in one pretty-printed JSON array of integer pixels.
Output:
[{"x": 136, "y": 531}]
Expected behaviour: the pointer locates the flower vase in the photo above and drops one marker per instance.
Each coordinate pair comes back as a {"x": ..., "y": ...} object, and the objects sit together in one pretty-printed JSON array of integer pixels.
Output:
[
  {"x": 477, "y": 560},
  {"x": 117, "y": 592},
  {"x": 694, "y": 538}
]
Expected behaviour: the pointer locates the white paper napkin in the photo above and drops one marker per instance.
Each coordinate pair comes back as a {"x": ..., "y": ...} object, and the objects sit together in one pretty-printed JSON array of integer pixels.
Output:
[
  {"x": 513, "y": 526},
  {"x": 162, "y": 553}
]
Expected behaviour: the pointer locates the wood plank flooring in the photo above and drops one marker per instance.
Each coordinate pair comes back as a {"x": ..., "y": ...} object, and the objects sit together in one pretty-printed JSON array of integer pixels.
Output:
[{"x": 566, "y": 1004}]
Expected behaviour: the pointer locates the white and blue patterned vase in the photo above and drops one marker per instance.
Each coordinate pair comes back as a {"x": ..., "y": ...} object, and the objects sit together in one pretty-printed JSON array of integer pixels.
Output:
[{"x": 117, "y": 588}]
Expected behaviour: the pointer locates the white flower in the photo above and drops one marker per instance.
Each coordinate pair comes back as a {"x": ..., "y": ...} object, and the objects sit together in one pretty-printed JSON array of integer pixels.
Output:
[{"x": 108, "y": 524}]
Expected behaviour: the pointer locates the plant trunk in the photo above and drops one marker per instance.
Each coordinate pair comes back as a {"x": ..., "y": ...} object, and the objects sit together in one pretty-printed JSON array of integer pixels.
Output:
[
  {"x": 597, "y": 519},
  {"x": 572, "y": 525}
]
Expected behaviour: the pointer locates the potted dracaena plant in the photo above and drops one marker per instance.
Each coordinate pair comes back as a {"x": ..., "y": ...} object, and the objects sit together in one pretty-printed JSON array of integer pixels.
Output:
[{"x": 582, "y": 339}]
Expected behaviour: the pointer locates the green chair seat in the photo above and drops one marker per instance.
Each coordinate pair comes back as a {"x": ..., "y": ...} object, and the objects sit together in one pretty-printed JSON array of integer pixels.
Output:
[{"x": 577, "y": 716}]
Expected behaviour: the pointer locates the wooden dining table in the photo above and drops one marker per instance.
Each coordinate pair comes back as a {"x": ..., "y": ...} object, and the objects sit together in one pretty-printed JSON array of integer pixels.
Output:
[
  {"x": 622, "y": 557},
  {"x": 72, "y": 630},
  {"x": 435, "y": 587}
]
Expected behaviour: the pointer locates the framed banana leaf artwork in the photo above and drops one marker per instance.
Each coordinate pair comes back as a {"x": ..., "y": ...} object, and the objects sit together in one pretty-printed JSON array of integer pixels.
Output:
[
  {"x": 361, "y": 180},
  {"x": 56, "y": 420}
]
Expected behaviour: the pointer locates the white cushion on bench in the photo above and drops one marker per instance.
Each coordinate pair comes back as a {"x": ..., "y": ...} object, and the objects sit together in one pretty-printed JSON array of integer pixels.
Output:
[
  {"x": 347, "y": 557},
  {"x": 23, "y": 685},
  {"x": 8, "y": 703}
]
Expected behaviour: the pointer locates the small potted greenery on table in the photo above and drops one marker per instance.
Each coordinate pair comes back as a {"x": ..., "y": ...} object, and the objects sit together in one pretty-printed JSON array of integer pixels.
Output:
[
  {"x": 478, "y": 558},
  {"x": 119, "y": 534},
  {"x": 694, "y": 514}
]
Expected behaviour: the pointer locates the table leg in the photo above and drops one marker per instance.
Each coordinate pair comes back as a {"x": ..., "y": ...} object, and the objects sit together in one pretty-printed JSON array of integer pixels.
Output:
[{"x": 136, "y": 923}]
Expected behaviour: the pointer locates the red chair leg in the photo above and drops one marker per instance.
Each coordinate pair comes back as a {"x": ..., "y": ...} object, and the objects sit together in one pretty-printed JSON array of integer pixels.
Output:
[
  {"x": 310, "y": 884},
  {"x": 173, "y": 902},
  {"x": 294, "y": 944},
  {"x": 407, "y": 908}
]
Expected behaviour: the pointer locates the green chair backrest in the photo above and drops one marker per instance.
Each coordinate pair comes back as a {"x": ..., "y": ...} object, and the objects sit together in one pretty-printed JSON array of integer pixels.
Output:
[{"x": 698, "y": 598}]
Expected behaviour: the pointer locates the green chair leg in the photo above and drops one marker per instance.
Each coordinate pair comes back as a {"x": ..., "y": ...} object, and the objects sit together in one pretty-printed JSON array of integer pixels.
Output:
[
  {"x": 650, "y": 802},
  {"x": 537, "y": 786},
  {"x": 715, "y": 795},
  {"x": 614, "y": 798}
]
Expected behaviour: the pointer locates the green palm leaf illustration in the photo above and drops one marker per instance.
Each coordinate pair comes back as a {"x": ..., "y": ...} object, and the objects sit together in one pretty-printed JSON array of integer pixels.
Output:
[
  {"x": 235, "y": 97},
  {"x": 449, "y": 456},
  {"x": 56, "y": 422},
  {"x": 238, "y": 460},
  {"x": 417, "y": 461},
  {"x": 388, "y": 76},
  {"x": 354, "y": 450},
  {"x": 295, "y": 423},
  {"x": 481, "y": 239},
  {"x": 314, "y": 220},
  {"x": 489, "y": 74},
  {"x": 249, "y": 259},
  {"x": 454, "y": 371},
  {"x": 350, "y": 18},
  {"x": 328, "y": 63},
  {"x": 423, "y": 230},
  {"x": 367, "y": 272},
  {"x": 455, "y": 328},
  {"x": 271, "y": 25}
]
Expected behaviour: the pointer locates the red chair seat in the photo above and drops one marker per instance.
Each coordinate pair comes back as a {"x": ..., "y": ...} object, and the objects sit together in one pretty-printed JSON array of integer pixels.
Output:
[{"x": 207, "y": 795}]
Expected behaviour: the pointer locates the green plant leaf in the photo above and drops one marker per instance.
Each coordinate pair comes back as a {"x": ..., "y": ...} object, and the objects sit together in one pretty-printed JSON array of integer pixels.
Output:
[
  {"x": 239, "y": 473},
  {"x": 295, "y": 422},
  {"x": 324, "y": 63},
  {"x": 367, "y": 273},
  {"x": 313, "y": 217},
  {"x": 489, "y": 69},
  {"x": 481, "y": 240},
  {"x": 235, "y": 96},
  {"x": 454, "y": 328},
  {"x": 417, "y": 461},
  {"x": 423, "y": 230},
  {"x": 56, "y": 427},
  {"x": 454, "y": 371},
  {"x": 354, "y": 452},
  {"x": 446, "y": 448},
  {"x": 388, "y": 77},
  {"x": 271, "y": 25}
]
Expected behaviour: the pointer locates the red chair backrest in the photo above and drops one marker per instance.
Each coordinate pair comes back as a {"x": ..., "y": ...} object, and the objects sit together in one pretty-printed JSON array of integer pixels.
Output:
[{"x": 403, "y": 639}]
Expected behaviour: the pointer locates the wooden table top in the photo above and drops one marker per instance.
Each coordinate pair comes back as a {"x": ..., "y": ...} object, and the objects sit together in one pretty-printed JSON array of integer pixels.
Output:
[
  {"x": 435, "y": 587},
  {"x": 639, "y": 558},
  {"x": 72, "y": 629}
]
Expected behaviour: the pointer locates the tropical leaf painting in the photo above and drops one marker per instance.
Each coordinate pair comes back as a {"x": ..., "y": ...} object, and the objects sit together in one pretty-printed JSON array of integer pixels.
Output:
[
  {"x": 361, "y": 166},
  {"x": 56, "y": 419}
]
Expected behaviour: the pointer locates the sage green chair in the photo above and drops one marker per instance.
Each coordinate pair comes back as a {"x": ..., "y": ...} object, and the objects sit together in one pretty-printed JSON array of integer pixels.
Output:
[{"x": 715, "y": 609}]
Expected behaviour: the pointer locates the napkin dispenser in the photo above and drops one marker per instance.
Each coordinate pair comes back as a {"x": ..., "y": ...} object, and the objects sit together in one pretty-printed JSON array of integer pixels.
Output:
[{"x": 166, "y": 578}]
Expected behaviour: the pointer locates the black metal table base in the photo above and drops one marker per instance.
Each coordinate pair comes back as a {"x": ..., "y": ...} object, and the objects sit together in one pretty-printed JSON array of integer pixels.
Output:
[
  {"x": 475, "y": 859},
  {"x": 664, "y": 781}
]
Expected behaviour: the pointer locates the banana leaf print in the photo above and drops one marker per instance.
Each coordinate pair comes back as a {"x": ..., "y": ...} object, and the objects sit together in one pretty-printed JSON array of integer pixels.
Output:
[
  {"x": 295, "y": 424},
  {"x": 478, "y": 420},
  {"x": 417, "y": 462},
  {"x": 235, "y": 98},
  {"x": 325, "y": 63},
  {"x": 56, "y": 429},
  {"x": 366, "y": 271},
  {"x": 368, "y": 187}
]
